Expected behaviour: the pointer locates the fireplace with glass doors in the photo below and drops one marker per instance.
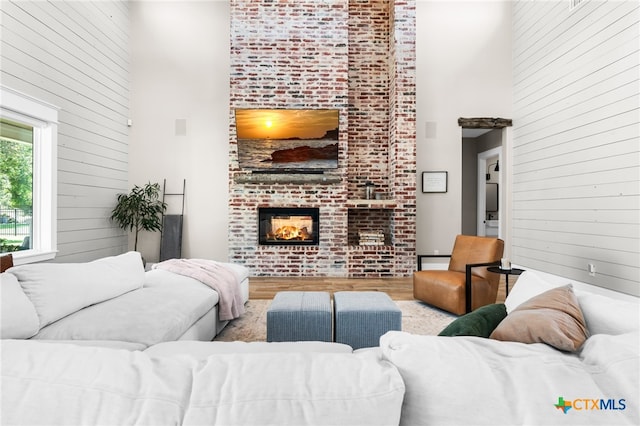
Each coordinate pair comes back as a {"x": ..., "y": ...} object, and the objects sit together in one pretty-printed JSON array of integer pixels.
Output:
[{"x": 288, "y": 226}]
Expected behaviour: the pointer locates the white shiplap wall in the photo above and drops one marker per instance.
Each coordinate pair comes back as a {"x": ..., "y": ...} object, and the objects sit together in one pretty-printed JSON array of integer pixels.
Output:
[
  {"x": 74, "y": 54},
  {"x": 576, "y": 156}
]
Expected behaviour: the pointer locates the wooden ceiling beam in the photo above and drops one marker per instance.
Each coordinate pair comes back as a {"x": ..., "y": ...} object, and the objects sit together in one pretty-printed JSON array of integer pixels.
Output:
[{"x": 484, "y": 123}]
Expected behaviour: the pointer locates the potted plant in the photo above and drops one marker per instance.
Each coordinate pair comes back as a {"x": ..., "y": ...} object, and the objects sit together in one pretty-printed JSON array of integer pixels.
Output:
[{"x": 141, "y": 209}]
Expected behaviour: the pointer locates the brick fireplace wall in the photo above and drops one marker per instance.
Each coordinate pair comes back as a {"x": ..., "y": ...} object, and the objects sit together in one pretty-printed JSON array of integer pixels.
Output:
[{"x": 329, "y": 54}]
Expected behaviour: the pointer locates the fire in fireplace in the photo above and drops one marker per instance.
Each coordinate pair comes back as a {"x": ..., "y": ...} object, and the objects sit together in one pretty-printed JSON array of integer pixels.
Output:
[{"x": 288, "y": 225}]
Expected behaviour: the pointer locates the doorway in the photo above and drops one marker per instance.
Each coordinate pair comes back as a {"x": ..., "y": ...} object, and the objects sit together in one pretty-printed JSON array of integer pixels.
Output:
[
  {"x": 478, "y": 147},
  {"x": 488, "y": 198},
  {"x": 483, "y": 140}
]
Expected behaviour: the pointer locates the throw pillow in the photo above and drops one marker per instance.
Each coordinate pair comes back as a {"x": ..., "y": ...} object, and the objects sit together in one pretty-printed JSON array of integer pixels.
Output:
[
  {"x": 480, "y": 322},
  {"x": 59, "y": 289},
  {"x": 605, "y": 315},
  {"x": 18, "y": 317},
  {"x": 553, "y": 317}
]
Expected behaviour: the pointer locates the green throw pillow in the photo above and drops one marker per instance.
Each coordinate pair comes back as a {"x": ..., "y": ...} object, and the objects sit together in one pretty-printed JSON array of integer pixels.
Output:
[{"x": 480, "y": 322}]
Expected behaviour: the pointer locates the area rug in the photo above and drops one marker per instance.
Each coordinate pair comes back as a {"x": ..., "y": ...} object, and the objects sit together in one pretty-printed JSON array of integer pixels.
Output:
[{"x": 417, "y": 318}]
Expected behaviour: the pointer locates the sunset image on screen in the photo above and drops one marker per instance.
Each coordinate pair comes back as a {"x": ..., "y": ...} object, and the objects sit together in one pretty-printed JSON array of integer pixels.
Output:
[
  {"x": 285, "y": 123},
  {"x": 287, "y": 138}
]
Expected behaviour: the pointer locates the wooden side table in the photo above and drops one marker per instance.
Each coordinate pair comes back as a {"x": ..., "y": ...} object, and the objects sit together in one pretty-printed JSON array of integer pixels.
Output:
[{"x": 506, "y": 273}]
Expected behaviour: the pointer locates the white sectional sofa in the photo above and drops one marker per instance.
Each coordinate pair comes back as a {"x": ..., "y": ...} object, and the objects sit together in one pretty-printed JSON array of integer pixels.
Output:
[
  {"x": 110, "y": 302},
  {"x": 247, "y": 385},
  {"x": 409, "y": 379}
]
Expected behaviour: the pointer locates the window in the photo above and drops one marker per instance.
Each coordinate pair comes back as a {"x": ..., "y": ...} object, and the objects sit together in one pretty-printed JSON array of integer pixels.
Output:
[
  {"x": 16, "y": 185},
  {"x": 28, "y": 188}
]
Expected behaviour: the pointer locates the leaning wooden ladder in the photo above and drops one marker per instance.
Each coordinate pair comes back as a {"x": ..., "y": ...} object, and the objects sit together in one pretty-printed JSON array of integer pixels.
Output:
[{"x": 171, "y": 233}]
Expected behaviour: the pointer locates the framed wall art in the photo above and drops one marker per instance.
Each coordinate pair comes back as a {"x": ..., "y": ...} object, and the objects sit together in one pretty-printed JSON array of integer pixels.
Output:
[{"x": 434, "y": 182}]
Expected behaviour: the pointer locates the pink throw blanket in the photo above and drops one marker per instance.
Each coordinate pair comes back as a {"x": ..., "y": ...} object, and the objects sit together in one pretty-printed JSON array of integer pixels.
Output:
[{"x": 217, "y": 276}]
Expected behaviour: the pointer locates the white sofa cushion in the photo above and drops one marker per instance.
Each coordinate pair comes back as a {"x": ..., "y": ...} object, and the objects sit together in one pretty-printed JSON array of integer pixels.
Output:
[
  {"x": 296, "y": 389},
  {"x": 605, "y": 315},
  {"x": 18, "y": 317},
  {"x": 59, "y": 289},
  {"x": 602, "y": 314},
  {"x": 112, "y": 344},
  {"x": 202, "y": 350},
  {"x": 529, "y": 285},
  {"x": 68, "y": 384},
  {"x": 473, "y": 380},
  {"x": 64, "y": 384},
  {"x": 146, "y": 315}
]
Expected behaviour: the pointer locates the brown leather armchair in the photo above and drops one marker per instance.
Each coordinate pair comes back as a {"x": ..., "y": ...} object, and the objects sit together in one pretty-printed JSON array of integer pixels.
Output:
[{"x": 466, "y": 285}]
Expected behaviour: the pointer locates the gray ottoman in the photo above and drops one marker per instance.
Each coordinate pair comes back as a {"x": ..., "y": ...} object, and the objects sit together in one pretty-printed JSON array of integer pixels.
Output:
[
  {"x": 361, "y": 317},
  {"x": 299, "y": 315}
]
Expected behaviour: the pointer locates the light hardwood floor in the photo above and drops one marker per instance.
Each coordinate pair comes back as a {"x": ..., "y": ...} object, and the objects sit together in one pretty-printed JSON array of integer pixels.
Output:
[{"x": 396, "y": 288}]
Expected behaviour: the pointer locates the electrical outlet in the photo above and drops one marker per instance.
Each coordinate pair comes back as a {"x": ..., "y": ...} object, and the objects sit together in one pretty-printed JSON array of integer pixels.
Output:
[
  {"x": 436, "y": 252},
  {"x": 592, "y": 269}
]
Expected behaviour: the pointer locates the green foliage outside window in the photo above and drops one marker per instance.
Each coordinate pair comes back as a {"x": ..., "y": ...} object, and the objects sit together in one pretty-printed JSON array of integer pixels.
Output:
[
  {"x": 16, "y": 189},
  {"x": 16, "y": 174}
]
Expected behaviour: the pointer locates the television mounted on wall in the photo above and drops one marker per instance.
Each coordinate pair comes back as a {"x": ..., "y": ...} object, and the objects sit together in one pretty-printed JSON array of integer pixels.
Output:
[{"x": 287, "y": 139}]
